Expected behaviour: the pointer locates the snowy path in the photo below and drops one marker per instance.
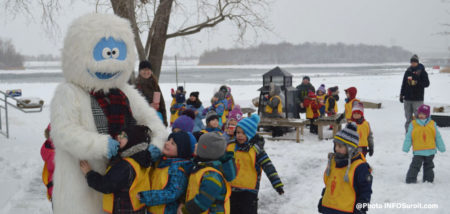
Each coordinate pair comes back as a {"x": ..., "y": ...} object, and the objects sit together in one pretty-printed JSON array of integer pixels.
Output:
[{"x": 301, "y": 165}]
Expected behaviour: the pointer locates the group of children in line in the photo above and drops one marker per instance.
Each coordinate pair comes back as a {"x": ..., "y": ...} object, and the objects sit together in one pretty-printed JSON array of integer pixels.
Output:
[{"x": 217, "y": 168}]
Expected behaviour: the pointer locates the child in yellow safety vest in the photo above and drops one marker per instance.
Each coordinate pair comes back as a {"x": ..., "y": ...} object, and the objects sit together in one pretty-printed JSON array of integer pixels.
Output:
[
  {"x": 251, "y": 160},
  {"x": 212, "y": 125},
  {"x": 347, "y": 178},
  {"x": 178, "y": 103},
  {"x": 169, "y": 176},
  {"x": 349, "y": 102},
  {"x": 365, "y": 132},
  {"x": 209, "y": 189},
  {"x": 321, "y": 94},
  {"x": 425, "y": 138},
  {"x": 127, "y": 174}
]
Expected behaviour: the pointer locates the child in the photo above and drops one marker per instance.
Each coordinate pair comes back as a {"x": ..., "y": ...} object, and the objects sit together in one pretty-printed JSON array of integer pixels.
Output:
[
  {"x": 230, "y": 127},
  {"x": 177, "y": 104},
  {"x": 331, "y": 107},
  {"x": 230, "y": 102},
  {"x": 48, "y": 155},
  {"x": 321, "y": 93},
  {"x": 185, "y": 123},
  {"x": 195, "y": 104},
  {"x": 312, "y": 111},
  {"x": 169, "y": 176},
  {"x": 425, "y": 138},
  {"x": 250, "y": 159},
  {"x": 127, "y": 175},
  {"x": 365, "y": 144},
  {"x": 348, "y": 179},
  {"x": 274, "y": 108},
  {"x": 209, "y": 188},
  {"x": 350, "y": 101},
  {"x": 218, "y": 104},
  {"x": 212, "y": 125}
]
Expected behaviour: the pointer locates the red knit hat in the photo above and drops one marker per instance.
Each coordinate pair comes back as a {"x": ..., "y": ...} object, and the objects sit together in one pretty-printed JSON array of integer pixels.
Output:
[{"x": 358, "y": 107}]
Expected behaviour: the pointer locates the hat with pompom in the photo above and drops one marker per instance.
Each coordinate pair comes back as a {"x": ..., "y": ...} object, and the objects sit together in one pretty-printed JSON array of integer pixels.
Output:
[{"x": 249, "y": 125}]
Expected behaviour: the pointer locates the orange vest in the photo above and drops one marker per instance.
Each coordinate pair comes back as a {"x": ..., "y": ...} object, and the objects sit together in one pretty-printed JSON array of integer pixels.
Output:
[
  {"x": 423, "y": 137},
  {"x": 363, "y": 131},
  {"x": 246, "y": 174},
  {"x": 140, "y": 183},
  {"x": 195, "y": 180},
  {"x": 340, "y": 195},
  {"x": 349, "y": 108}
]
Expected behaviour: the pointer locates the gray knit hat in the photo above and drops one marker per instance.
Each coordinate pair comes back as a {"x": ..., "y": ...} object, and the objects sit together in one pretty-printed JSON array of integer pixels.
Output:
[
  {"x": 211, "y": 115},
  {"x": 350, "y": 138},
  {"x": 220, "y": 95},
  {"x": 211, "y": 146}
]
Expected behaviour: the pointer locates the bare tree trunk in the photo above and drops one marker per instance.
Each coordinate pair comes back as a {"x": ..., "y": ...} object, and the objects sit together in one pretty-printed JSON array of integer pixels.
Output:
[
  {"x": 159, "y": 37},
  {"x": 125, "y": 9}
]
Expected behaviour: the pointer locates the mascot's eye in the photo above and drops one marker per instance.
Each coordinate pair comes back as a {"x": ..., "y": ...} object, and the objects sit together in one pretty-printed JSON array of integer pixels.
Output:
[
  {"x": 106, "y": 53},
  {"x": 115, "y": 53}
]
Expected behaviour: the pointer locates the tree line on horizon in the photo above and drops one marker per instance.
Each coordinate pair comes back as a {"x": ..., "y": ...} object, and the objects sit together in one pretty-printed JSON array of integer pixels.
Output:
[
  {"x": 9, "y": 57},
  {"x": 306, "y": 53}
]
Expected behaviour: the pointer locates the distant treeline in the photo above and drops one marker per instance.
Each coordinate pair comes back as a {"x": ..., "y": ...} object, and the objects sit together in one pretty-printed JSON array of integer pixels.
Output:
[
  {"x": 306, "y": 53},
  {"x": 9, "y": 58},
  {"x": 42, "y": 57}
]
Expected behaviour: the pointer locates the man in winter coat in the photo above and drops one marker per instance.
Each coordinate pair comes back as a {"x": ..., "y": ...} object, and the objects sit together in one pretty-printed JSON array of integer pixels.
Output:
[
  {"x": 412, "y": 92},
  {"x": 303, "y": 90}
]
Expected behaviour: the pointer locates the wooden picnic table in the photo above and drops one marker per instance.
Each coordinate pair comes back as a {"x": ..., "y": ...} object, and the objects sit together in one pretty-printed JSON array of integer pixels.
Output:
[
  {"x": 327, "y": 121},
  {"x": 248, "y": 111},
  {"x": 299, "y": 124}
]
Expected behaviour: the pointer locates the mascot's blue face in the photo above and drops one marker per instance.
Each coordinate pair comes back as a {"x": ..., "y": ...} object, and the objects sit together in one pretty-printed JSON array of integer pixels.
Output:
[{"x": 108, "y": 49}]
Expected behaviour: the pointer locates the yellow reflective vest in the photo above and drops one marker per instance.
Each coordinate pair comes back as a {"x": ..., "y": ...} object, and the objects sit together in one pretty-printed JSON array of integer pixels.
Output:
[
  {"x": 340, "y": 195},
  {"x": 140, "y": 183},
  {"x": 195, "y": 179},
  {"x": 363, "y": 131},
  {"x": 246, "y": 174},
  {"x": 349, "y": 108},
  {"x": 159, "y": 177},
  {"x": 423, "y": 137}
]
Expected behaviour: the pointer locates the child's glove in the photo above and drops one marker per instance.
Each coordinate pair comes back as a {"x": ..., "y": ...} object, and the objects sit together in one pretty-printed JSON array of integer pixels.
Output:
[
  {"x": 113, "y": 147},
  {"x": 280, "y": 190},
  {"x": 319, "y": 206},
  {"x": 370, "y": 151}
]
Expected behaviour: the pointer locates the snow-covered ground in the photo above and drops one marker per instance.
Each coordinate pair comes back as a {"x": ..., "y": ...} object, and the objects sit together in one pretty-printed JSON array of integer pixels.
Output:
[{"x": 301, "y": 165}]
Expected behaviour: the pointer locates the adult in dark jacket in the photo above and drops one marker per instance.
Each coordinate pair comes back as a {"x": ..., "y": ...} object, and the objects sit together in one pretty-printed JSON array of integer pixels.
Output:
[
  {"x": 147, "y": 84},
  {"x": 412, "y": 92},
  {"x": 302, "y": 91}
]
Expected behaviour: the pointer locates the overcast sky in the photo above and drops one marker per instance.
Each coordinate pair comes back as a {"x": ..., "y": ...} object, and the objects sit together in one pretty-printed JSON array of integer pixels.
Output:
[{"x": 412, "y": 24}]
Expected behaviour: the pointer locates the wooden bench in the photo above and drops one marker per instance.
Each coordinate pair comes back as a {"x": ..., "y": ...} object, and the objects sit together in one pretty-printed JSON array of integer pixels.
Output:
[
  {"x": 299, "y": 125},
  {"x": 327, "y": 121}
]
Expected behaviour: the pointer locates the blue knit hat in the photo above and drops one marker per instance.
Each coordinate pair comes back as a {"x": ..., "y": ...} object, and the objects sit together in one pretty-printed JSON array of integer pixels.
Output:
[
  {"x": 183, "y": 142},
  {"x": 184, "y": 122},
  {"x": 249, "y": 125}
]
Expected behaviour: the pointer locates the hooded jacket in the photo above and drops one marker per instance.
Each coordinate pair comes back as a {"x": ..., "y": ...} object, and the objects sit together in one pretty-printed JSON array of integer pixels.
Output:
[{"x": 413, "y": 90}]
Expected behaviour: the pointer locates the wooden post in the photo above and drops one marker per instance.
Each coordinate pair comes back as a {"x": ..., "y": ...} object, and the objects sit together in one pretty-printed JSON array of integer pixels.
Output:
[
  {"x": 297, "y": 129},
  {"x": 320, "y": 130}
]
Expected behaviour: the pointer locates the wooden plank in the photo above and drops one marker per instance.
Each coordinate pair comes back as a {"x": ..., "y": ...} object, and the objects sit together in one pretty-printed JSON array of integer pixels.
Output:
[
  {"x": 320, "y": 131},
  {"x": 371, "y": 105}
]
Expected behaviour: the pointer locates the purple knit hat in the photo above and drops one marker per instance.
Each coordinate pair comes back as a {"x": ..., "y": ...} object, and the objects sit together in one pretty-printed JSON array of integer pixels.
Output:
[
  {"x": 322, "y": 89},
  {"x": 424, "y": 109},
  {"x": 236, "y": 113},
  {"x": 184, "y": 122}
]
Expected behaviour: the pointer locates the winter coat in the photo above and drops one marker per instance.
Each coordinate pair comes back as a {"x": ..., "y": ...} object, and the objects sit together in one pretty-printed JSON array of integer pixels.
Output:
[
  {"x": 408, "y": 140},
  {"x": 314, "y": 105},
  {"x": 263, "y": 162},
  {"x": 198, "y": 134},
  {"x": 147, "y": 87},
  {"x": 198, "y": 122},
  {"x": 118, "y": 179},
  {"x": 218, "y": 107},
  {"x": 332, "y": 102},
  {"x": 213, "y": 187},
  {"x": 48, "y": 155},
  {"x": 273, "y": 102},
  {"x": 178, "y": 174},
  {"x": 362, "y": 185},
  {"x": 414, "y": 90}
]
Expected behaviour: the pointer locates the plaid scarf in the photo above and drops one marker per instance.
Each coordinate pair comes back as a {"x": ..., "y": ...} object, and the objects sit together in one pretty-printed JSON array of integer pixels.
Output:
[{"x": 116, "y": 108}]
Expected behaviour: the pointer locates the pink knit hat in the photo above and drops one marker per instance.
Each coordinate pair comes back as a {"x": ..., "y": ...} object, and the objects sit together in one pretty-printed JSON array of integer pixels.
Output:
[
  {"x": 424, "y": 109},
  {"x": 236, "y": 113}
]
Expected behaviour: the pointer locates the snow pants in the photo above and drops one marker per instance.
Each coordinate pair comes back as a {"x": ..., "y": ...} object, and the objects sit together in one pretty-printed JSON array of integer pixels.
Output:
[
  {"x": 244, "y": 202},
  {"x": 416, "y": 164},
  {"x": 410, "y": 109}
]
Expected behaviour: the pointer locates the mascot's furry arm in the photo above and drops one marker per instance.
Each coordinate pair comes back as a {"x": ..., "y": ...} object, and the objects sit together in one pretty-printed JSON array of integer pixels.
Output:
[
  {"x": 146, "y": 115},
  {"x": 69, "y": 132}
]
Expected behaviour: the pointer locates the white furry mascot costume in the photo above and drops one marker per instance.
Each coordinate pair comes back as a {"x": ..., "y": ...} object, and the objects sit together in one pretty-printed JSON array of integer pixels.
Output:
[{"x": 98, "y": 56}]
